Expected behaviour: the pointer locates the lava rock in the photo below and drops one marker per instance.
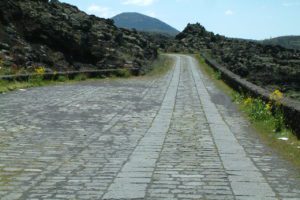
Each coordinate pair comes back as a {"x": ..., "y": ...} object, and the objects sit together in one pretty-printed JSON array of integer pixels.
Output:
[
  {"x": 265, "y": 65},
  {"x": 58, "y": 35}
]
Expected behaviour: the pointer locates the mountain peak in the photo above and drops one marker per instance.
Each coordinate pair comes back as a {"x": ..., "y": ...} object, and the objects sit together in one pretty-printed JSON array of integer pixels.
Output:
[{"x": 141, "y": 22}]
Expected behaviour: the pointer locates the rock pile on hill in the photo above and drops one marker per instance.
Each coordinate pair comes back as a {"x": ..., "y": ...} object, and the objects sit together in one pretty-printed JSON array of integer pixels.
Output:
[
  {"x": 61, "y": 37},
  {"x": 265, "y": 65}
]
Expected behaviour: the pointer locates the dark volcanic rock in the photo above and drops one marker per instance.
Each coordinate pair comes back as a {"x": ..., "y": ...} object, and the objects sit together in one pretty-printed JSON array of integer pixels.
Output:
[
  {"x": 61, "y": 37},
  {"x": 265, "y": 65}
]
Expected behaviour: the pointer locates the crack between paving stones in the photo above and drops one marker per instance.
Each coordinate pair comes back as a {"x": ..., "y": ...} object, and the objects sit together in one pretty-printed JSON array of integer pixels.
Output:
[
  {"x": 213, "y": 139},
  {"x": 128, "y": 158},
  {"x": 260, "y": 172},
  {"x": 74, "y": 156},
  {"x": 155, "y": 167}
]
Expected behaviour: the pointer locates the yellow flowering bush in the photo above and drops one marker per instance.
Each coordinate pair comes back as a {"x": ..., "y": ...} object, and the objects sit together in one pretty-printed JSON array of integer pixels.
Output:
[
  {"x": 276, "y": 96},
  {"x": 40, "y": 70},
  {"x": 259, "y": 111}
]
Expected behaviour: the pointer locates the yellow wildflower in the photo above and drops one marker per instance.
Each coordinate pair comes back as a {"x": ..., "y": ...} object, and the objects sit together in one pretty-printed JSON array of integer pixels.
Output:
[
  {"x": 248, "y": 101},
  {"x": 269, "y": 106},
  {"x": 276, "y": 96},
  {"x": 40, "y": 70}
]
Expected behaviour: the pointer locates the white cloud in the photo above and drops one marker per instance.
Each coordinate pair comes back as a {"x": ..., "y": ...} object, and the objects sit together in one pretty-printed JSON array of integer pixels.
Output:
[
  {"x": 138, "y": 2},
  {"x": 229, "y": 12},
  {"x": 151, "y": 14},
  {"x": 100, "y": 11}
]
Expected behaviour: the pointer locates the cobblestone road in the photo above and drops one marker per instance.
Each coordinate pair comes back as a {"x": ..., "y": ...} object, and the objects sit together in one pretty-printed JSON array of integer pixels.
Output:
[{"x": 174, "y": 137}]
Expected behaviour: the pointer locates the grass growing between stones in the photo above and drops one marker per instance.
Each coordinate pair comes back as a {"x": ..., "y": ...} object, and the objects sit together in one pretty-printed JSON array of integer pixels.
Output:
[
  {"x": 6, "y": 177},
  {"x": 266, "y": 119},
  {"x": 161, "y": 65}
]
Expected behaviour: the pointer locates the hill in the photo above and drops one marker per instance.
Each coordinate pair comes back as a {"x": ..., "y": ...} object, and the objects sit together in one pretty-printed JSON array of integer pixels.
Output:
[
  {"x": 60, "y": 37},
  {"x": 290, "y": 42},
  {"x": 265, "y": 65},
  {"x": 143, "y": 23}
]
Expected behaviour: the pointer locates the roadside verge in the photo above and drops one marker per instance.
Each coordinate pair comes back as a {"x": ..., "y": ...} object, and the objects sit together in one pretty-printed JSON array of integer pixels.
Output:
[{"x": 291, "y": 108}]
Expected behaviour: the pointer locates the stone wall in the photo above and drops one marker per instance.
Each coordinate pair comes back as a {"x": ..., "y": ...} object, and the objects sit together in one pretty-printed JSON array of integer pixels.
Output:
[
  {"x": 290, "y": 107},
  {"x": 271, "y": 67}
]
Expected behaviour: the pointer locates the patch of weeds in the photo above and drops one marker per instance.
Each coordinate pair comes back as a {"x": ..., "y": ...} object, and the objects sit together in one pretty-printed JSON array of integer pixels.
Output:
[
  {"x": 267, "y": 118},
  {"x": 218, "y": 75},
  {"x": 80, "y": 77},
  {"x": 124, "y": 73},
  {"x": 6, "y": 86},
  {"x": 36, "y": 80},
  {"x": 62, "y": 78},
  {"x": 7, "y": 177},
  {"x": 259, "y": 110},
  {"x": 160, "y": 66},
  {"x": 5, "y": 71}
]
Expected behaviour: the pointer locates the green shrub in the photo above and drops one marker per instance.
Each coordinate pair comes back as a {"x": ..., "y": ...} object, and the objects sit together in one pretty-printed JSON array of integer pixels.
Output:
[
  {"x": 36, "y": 80},
  {"x": 125, "y": 73},
  {"x": 80, "y": 77},
  {"x": 62, "y": 78},
  {"x": 260, "y": 111},
  {"x": 218, "y": 75}
]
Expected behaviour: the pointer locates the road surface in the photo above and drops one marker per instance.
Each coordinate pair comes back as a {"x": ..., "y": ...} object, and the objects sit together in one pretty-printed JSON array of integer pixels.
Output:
[{"x": 173, "y": 137}]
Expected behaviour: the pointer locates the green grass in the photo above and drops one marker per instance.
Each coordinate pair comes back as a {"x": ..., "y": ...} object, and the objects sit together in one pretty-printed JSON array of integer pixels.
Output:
[
  {"x": 38, "y": 81},
  {"x": 7, "y": 177},
  {"x": 269, "y": 126},
  {"x": 213, "y": 75},
  {"x": 160, "y": 66},
  {"x": 6, "y": 86},
  {"x": 80, "y": 77},
  {"x": 123, "y": 73},
  {"x": 34, "y": 81},
  {"x": 62, "y": 78}
]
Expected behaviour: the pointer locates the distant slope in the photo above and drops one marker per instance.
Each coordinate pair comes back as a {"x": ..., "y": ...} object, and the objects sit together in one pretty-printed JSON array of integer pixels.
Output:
[
  {"x": 272, "y": 67},
  {"x": 290, "y": 42},
  {"x": 143, "y": 23}
]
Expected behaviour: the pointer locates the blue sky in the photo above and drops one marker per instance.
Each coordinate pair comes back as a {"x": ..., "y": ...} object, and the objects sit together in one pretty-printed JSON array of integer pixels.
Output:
[{"x": 251, "y": 19}]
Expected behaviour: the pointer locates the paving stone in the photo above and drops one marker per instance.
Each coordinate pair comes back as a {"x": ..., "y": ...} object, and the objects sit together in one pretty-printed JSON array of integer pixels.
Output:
[{"x": 169, "y": 137}]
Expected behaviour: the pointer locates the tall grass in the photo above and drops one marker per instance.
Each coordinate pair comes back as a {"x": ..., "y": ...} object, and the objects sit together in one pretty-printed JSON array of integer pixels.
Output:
[{"x": 160, "y": 66}]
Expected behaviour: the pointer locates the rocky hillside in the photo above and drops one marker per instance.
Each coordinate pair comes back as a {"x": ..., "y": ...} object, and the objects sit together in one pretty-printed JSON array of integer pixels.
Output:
[
  {"x": 265, "y": 65},
  {"x": 290, "y": 42},
  {"x": 143, "y": 23},
  {"x": 61, "y": 37}
]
